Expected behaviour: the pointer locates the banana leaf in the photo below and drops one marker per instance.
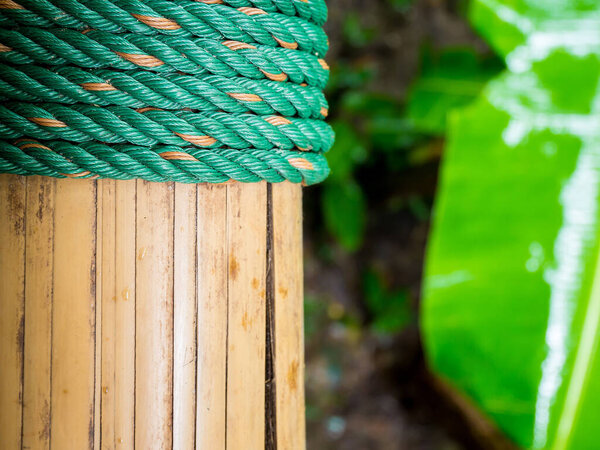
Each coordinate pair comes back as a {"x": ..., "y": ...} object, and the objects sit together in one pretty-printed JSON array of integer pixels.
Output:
[{"x": 511, "y": 307}]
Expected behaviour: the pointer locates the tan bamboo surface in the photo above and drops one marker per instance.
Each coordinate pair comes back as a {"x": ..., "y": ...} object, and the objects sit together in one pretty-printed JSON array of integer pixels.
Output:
[{"x": 150, "y": 316}]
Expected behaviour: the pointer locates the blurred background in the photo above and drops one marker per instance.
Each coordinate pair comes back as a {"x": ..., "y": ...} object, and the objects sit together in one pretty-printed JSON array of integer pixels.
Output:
[
  {"x": 397, "y": 66},
  {"x": 512, "y": 249}
]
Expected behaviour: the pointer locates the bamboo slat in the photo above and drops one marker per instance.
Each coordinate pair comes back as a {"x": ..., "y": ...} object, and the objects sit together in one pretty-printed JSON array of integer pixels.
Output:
[
  {"x": 154, "y": 316},
  {"x": 12, "y": 302},
  {"x": 150, "y": 316},
  {"x": 289, "y": 295},
  {"x": 246, "y": 228},
  {"x": 184, "y": 317},
  {"x": 108, "y": 298},
  {"x": 212, "y": 317},
  {"x": 38, "y": 312},
  {"x": 125, "y": 320},
  {"x": 73, "y": 316}
]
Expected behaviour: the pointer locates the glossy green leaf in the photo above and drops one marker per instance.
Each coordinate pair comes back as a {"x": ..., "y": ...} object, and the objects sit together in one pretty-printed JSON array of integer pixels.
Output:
[{"x": 511, "y": 310}]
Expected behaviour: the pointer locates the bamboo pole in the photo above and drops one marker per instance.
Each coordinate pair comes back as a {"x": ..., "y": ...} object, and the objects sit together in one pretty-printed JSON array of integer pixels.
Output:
[{"x": 144, "y": 315}]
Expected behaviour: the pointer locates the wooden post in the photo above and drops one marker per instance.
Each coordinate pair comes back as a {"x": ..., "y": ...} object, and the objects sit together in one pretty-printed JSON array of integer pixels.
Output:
[{"x": 151, "y": 316}]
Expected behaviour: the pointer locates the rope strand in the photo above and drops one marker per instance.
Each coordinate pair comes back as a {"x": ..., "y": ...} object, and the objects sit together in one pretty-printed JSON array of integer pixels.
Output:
[
  {"x": 177, "y": 18},
  {"x": 314, "y": 11},
  {"x": 171, "y": 91},
  {"x": 160, "y": 163},
  {"x": 99, "y": 49}
]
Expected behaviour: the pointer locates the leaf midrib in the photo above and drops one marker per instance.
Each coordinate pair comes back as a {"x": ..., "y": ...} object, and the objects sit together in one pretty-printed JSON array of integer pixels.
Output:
[{"x": 586, "y": 352}]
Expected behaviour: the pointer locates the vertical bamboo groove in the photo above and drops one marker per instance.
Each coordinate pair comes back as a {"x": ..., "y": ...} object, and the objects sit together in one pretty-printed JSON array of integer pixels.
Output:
[
  {"x": 12, "y": 266},
  {"x": 108, "y": 296},
  {"x": 102, "y": 226},
  {"x": 134, "y": 315}
]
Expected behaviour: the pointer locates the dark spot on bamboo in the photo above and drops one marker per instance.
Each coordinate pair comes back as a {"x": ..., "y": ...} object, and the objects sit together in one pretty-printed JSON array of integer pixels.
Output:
[
  {"x": 91, "y": 427},
  {"x": 234, "y": 267},
  {"x": 43, "y": 199},
  {"x": 16, "y": 207},
  {"x": 246, "y": 321},
  {"x": 45, "y": 417},
  {"x": 292, "y": 375},
  {"x": 21, "y": 335}
]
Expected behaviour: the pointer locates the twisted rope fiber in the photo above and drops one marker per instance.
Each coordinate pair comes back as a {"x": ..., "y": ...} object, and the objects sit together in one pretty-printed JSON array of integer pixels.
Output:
[
  {"x": 100, "y": 49},
  {"x": 116, "y": 124},
  {"x": 314, "y": 11},
  {"x": 159, "y": 163},
  {"x": 174, "y": 17},
  {"x": 172, "y": 96},
  {"x": 69, "y": 85}
]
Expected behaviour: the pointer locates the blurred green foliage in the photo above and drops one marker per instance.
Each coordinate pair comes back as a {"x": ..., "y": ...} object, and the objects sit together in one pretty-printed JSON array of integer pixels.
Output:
[
  {"x": 371, "y": 125},
  {"x": 390, "y": 309},
  {"x": 344, "y": 207},
  {"x": 400, "y": 5},
  {"x": 354, "y": 32},
  {"x": 388, "y": 133},
  {"x": 397, "y": 68}
]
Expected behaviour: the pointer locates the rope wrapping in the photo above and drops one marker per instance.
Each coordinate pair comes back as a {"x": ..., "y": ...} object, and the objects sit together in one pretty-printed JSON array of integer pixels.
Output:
[{"x": 181, "y": 90}]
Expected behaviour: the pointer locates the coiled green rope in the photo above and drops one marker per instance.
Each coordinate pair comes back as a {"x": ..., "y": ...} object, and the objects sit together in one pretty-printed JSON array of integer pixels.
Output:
[{"x": 164, "y": 90}]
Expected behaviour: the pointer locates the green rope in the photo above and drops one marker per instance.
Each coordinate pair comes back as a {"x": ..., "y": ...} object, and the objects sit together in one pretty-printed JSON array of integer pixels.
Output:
[
  {"x": 100, "y": 49},
  {"x": 177, "y": 18},
  {"x": 160, "y": 163},
  {"x": 117, "y": 124},
  {"x": 68, "y": 13},
  {"x": 172, "y": 91},
  {"x": 180, "y": 90}
]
